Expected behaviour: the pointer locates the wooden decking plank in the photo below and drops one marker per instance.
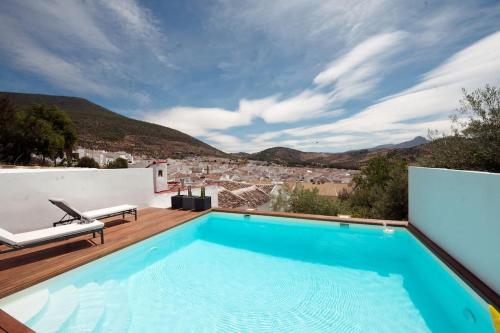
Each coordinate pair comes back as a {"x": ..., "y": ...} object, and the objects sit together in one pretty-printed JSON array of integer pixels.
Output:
[{"x": 8, "y": 324}]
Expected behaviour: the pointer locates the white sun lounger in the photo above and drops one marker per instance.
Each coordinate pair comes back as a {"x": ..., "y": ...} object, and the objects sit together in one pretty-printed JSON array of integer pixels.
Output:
[
  {"x": 74, "y": 214},
  {"x": 43, "y": 236}
]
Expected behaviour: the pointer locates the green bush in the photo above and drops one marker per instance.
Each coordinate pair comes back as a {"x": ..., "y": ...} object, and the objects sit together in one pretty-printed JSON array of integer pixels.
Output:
[
  {"x": 301, "y": 200},
  {"x": 119, "y": 163},
  {"x": 87, "y": 162},
  {"x": 381, "y": 190}
]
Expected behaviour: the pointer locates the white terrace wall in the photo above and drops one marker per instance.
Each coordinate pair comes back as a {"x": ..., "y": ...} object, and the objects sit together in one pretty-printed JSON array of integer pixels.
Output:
[
  {"x": 24, "y": 193},
  {"x": 460, "y": 211}
]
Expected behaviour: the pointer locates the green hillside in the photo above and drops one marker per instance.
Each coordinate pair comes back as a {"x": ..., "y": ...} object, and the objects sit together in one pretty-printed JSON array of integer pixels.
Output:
[
  {"x": 100, "y": 128},
  {"x": 353, "y": 159}
]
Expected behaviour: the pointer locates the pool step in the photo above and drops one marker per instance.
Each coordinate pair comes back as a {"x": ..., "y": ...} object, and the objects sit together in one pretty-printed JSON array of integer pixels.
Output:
[
  {"x": 118, "y": 315},
  {"x": 91, "y": 299},
  {"x": 27, "y": 307},
  {"x": 61, "y": 306}
]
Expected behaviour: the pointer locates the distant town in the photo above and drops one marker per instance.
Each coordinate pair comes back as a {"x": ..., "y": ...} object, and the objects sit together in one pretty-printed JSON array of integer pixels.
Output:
[{"x": 241, "y": 183}]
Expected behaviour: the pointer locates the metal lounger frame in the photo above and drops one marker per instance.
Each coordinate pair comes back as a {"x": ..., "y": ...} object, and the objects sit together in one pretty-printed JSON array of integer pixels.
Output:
[{"x": 63, "y": 220}]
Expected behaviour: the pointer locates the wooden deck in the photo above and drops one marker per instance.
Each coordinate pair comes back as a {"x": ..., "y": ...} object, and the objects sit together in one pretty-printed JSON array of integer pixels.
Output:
[{"x": 24, "y": 268}]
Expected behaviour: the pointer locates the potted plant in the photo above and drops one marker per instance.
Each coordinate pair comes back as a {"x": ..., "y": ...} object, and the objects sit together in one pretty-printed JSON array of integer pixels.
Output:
[
  {"x": 176, "y": 200},
  {"x": 188, "y": 201},
  {"x": 202, "y": 202}
]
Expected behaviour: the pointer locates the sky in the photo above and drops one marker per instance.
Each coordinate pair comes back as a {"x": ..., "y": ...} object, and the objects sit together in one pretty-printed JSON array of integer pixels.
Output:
[{"x": 248, "y": 75}]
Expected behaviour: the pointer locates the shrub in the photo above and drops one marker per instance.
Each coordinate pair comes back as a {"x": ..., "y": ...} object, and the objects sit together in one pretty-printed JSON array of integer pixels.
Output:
[
  {"x": 309, "y": 201},
  {"x": 381, "y": 190},
  {"x": 87, "y": 162},
  {"x": 119, "y": 163}
]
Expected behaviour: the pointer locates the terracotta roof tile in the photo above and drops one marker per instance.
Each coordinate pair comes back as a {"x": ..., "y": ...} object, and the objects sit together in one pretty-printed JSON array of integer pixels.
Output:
[
  {"x": 227, "y": 199},
  {"x": 255, "y": 198}
]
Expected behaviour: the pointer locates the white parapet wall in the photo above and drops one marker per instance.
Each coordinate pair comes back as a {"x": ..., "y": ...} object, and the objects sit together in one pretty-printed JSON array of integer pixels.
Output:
[
  {"x": 24, "y": 193},
  {"x": 460, "y": 211}
]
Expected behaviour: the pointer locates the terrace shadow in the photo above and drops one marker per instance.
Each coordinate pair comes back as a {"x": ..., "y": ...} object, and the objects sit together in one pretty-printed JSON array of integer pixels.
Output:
[{"x": 20, "y": 259}]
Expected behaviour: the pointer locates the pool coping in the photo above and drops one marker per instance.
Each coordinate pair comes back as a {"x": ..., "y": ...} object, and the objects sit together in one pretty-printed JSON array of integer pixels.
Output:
[
  {"x": 10, "y": 324},
  {"x": 474, "y": 282},
  {"x": 328, "y": 218}
]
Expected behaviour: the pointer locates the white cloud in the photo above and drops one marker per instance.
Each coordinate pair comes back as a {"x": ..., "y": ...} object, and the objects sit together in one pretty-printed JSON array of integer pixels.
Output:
[
  {"x": 28, "y": 55},
  {"x": 139, "y": 23},
  {"x": 63, "y": 22},
  {"x": 439, "y": 91},
  {"x": 363, "y": 53},
  {"x": 199, "y": 121},
  {"x": 228, "y": 143},
  {"x": 353, "y": 74},
  {"x": 402, "y": 116},
  {"x": 360, "y": 70},
  {"x": 75, "y": 46},
  {"x": 298, "y": 22},
  {"x": 307, "y": 104},
  {"x": 435, "y": 97}
]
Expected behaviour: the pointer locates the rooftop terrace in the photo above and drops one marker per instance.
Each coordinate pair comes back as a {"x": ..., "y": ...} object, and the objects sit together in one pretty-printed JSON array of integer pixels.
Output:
[{"x": 441, "y": 211}]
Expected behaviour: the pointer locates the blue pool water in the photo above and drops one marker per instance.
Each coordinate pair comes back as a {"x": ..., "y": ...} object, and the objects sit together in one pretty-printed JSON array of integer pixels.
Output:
[{"x": 227, "y": 273}]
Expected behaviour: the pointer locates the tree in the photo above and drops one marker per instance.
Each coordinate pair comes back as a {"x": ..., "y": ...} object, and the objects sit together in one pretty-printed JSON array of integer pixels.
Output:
[
  {"x": 119, "y": 163},
  {"x": 39, "y": 130},
  {"x": 309, "y": 201},
  {"x": 87, "y": 162},
  {"x": 381, "y": 190},
  {"x": 9, "y": 151},
  {"x": 475, "y": 140},
  {"x": 61, "y": 125}
]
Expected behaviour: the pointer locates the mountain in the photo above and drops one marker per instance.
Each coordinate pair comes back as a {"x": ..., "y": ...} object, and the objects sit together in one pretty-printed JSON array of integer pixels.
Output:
[
  {"x": 353, "y": 159},
  {"x": 417, "y": 141},
  {"x": 100, "y": 128},
  {"x": 348, "y": 160},
  {"x": 282, "y": 155}
]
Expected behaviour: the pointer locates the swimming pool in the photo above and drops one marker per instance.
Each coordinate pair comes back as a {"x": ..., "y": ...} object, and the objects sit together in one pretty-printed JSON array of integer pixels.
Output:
[{"x": 230, "y": 273}]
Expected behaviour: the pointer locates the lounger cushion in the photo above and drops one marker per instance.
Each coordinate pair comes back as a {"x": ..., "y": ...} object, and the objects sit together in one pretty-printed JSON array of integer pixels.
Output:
[
  {"x": 93, "y": 214},
  {"x": 36, "y": 236},
  {"x": 7, "y": 237}
]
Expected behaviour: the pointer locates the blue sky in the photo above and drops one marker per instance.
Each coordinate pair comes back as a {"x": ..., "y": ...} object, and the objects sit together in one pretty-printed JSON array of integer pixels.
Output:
[{"x": 248, "y": 75}]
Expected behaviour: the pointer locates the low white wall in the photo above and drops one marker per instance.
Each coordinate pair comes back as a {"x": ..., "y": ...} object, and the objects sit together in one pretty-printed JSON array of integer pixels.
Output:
[
  {"x": 460, "y": 211},
  {"x": 24, "y": 194}
]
